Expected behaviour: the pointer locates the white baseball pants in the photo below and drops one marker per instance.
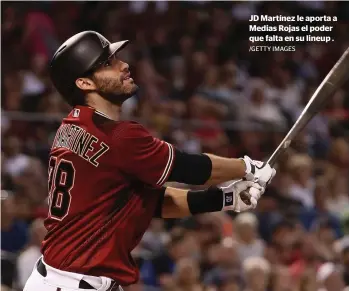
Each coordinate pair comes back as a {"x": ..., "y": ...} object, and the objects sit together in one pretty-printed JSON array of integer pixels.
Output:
[{"x": 56, "y": 280}]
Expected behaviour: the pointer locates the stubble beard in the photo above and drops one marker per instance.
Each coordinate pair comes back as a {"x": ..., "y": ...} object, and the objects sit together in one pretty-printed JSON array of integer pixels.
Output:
[{"x": 114, "y": 90}]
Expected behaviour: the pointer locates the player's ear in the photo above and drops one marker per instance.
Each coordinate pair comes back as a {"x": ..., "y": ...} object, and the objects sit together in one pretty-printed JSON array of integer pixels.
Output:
[{"x": 85, "y": 84}]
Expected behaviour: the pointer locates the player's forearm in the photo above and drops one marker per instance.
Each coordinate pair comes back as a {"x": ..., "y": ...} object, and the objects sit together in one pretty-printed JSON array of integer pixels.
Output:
[
  {"x": 175, "y": 203},
  {"x": 225, "y": 169},
  {"x": 205, "y": 169}
]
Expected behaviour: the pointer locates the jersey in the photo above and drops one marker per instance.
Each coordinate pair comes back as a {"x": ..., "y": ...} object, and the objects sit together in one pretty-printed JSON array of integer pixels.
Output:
[{"x": 105, "y": 181}]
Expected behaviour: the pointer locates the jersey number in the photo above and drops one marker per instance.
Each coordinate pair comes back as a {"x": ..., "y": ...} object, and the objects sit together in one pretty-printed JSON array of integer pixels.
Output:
[{"x": 60, "y": 182}]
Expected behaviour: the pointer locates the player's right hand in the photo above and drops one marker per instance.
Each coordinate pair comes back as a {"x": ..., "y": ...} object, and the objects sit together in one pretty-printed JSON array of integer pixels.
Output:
[
  {"x": 232, "y": 192},
  {"x": 259, "y": 172}
]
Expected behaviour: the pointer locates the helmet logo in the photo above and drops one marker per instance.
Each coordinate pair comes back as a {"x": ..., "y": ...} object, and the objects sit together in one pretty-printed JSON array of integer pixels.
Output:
[{"x": 103, "y": 41}]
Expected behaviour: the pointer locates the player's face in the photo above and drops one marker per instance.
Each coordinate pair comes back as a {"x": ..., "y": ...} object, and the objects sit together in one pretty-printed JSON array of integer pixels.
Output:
[{"x": 113, "y": 81}]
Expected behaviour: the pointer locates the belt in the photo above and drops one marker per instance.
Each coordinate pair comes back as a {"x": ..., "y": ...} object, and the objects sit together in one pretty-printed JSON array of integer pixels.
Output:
[{"x": 82, "y": 284}]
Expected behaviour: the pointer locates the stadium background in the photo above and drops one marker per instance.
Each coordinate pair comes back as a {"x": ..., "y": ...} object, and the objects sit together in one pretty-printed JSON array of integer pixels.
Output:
[{"x": 202, "y": 91}]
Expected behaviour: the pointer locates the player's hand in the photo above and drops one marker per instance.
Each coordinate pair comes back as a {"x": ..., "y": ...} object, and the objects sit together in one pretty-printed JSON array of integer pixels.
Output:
[
  {"x": 232, "y": 199},
  {"x": 259, "y": 172}
]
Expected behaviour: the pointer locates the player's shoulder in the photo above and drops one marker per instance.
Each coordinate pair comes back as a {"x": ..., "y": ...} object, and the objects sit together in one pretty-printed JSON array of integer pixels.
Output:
[
  {"x": 130, "y": 124},
  {"x": 129, "y": 129},
  {"x": 128, "y": 134}
]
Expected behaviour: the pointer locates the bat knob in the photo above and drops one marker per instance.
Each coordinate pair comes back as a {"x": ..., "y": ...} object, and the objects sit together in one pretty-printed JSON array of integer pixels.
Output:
[{"x": 245, "y": 197}]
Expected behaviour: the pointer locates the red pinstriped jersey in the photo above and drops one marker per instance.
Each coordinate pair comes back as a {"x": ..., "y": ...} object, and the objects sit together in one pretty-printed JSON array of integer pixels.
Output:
[{"x": 103, "y": 181}]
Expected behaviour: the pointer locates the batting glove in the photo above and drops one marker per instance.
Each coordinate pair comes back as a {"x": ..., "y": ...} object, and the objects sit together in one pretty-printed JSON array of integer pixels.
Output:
[
  {"x": 232, "y": 199},
  {"x": 259, "y": 172}
]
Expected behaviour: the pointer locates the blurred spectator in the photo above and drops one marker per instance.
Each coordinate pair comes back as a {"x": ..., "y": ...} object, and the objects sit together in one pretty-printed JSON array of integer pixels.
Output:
[
  {"x": 259, "y": 109},
  {"x": 285, "y": 235},
  {"x": 186, "y": 276},
  {"x": 257, "y": 271},
  {"x": 300, "y": 167},
  {"x": 154, "y": 240},
  {"x": 281, "y": 279},
  {"x": 16, "y": 162},
  {"x": 225, "y": 261},
  {"x": 27, "y": 259},
  {"x": 248, "y": 243},
  {"x": 13, "y": 231},
  {"x": 307, "y": 259},
  {"x": 312, "y": 217},
  {"x": 158, "y": 270},
  {"x": 339, "y": 160},
  {"x": 337, "y": 197},
  {"x": 330, "y": 278},
  {"x": 285, "y": 90},
  {"x": 14, "y": 236}
]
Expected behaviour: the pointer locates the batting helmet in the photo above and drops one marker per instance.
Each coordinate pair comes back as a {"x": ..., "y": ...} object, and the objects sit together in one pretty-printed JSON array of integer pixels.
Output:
[{"x": 78, "y": 56}]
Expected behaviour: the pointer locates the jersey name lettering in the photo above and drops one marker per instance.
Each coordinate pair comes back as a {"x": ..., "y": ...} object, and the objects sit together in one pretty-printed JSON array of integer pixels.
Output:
[{"x": 80, "y": 142}]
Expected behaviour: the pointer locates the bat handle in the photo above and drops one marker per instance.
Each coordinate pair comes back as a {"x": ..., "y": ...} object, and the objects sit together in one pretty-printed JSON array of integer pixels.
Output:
[
  {"x": 281, "y": 149},
  {"x": 245, "y": 197},
  {"x": 273, "y": 158}
]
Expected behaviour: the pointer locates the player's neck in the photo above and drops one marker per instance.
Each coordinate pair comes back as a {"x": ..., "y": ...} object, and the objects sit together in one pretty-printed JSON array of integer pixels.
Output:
[{"x": 109, "y": 110}]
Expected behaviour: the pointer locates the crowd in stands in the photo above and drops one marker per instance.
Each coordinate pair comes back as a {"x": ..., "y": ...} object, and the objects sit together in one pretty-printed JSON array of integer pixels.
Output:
[{"x": 203, "y": 91}]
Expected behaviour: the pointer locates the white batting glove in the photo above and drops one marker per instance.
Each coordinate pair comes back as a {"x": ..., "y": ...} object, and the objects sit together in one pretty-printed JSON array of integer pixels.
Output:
[
  {"x": 232, "y": 199},
  {"x": 259, "y": 172}
]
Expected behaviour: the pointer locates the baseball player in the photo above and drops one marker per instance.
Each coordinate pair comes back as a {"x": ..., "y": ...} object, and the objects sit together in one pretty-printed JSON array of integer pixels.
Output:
[{"x": 106, "y": 176}]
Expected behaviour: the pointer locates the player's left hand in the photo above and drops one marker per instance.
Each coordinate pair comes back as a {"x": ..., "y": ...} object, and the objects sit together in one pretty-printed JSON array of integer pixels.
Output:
[
  {"x": 232, "y": 199},
  {"x": 257, "y": 171}
]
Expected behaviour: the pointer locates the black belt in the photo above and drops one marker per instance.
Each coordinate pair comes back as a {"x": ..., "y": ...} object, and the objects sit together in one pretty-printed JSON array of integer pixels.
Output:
[{"x": 82, "y": 284}]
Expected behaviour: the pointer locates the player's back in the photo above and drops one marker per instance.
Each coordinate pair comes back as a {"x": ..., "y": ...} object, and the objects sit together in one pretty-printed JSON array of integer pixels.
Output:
[{"x": 94, "y": 205}]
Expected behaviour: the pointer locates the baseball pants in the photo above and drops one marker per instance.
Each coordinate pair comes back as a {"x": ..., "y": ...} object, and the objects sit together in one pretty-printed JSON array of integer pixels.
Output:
[{"x": 47, "y": 278}]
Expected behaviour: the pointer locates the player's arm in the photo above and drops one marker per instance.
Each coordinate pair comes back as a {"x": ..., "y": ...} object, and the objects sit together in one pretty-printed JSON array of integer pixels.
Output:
[
  {"x": 209, "y": 169},
  {"x": 155, "y": 162},
  {"x": 178, "y": 203},
  {"x": 225, "y": 169},
  {"x": 205, "y": 169}
]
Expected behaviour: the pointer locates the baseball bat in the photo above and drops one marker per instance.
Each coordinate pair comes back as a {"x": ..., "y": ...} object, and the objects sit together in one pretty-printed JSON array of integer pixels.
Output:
[{"x": 338, "y": 75}]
